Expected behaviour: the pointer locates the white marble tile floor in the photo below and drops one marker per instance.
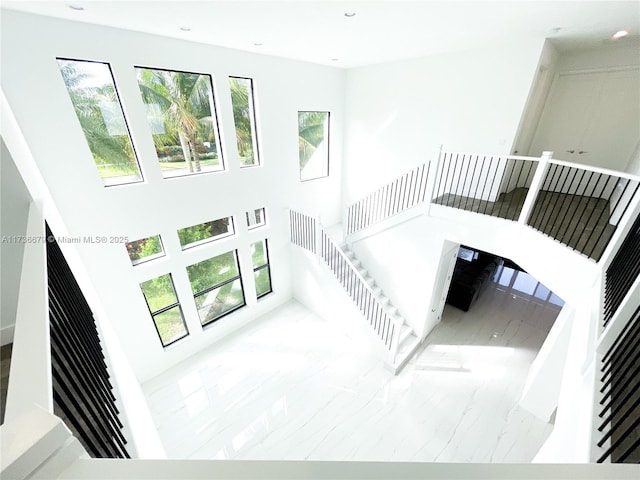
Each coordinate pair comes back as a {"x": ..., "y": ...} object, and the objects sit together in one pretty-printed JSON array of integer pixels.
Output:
[{"x": 294, "y": 387}]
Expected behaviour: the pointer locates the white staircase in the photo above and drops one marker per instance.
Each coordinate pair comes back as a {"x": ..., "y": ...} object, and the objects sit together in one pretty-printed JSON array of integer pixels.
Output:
[{"x": 409, "y": 341}]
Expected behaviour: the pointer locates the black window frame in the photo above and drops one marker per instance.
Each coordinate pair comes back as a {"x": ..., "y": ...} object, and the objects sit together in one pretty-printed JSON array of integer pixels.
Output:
[
  {"x": 124, "y": 117},
  {"x": 217, "y": 131},
  {"x": 148, "y": 258},
  {"x": 165, "y": 309},
  {"x": 253, "y": 121},
  {"x": 220, "y": 285},
  {"x": 328, "y": 142},
  {"x": 257, "y": 225},
  {"x": 266, "y": 265},
  {"x": 230, "y": 233}
]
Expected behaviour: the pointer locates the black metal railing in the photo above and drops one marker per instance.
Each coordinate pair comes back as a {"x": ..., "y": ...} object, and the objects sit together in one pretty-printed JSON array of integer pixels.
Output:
[
  {"x": 581, "y": 208},
  {"x": 621, "y": 396},
  {"x": 485, "y": 184},
  {"x": 397, "y": 196},
  {"x": 359, "y": 290},
  {"x": 303, "y": 230},
  {"x": 622, "y": 272},
  {"x": 82, "y": 392}
]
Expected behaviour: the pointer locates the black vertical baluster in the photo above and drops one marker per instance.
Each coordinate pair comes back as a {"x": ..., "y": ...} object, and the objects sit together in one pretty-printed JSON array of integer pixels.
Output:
[
  {"x": 553, "y": 195},
  {"x": 585, "y": 202},
  {"x": 484, "y": 184},
  {"x": 599, "y": 217},
  {"x": 493, "y": 180}
]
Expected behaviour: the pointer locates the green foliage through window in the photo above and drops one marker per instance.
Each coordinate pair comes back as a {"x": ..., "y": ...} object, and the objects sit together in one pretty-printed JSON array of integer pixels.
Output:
[
  {"x": 261, "y": 271},
  {"x": 97, "y": 106},
  {"x": 244, "y": 119},
  {"x": 313, "y": 144},
  {"x": 216, "y": 286},
  {"x": 145, "y": 249},
  {"x": 182, "y": 118},
  {"x": 197, "y": 234},
  {"x": 165, "y": 308}
]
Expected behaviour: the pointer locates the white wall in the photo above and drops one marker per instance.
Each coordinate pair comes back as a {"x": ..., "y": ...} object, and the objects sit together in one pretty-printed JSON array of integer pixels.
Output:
[
  {"x": 398, "y": 113},
  {"x": 14, "y": 210},
  {"x": 623, "y": 53},
  {"x": 34, "y": 88},
  {"x": 404, "y": 259}
]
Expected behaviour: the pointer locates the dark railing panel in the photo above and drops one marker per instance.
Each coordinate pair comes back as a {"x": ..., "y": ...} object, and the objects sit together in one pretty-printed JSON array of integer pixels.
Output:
[
  {"x": 622, "y": 272},
  {"x": 621, "y": 396},
  {"x": 303, "y": 230},
  {"x": 82, "y": 391},
  {"x": 357, "y": 288},
  {"x": 489, "y": 185},
  {"x": 581, "y": 208},
  {"x": 397, "y": 196}
]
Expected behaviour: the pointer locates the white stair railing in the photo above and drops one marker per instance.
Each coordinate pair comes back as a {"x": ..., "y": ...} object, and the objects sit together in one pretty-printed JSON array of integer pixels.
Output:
[{"x": 387, "y": 326}]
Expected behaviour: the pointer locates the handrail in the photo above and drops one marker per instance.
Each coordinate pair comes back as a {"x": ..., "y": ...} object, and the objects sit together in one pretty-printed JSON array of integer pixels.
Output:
[
  {"x": 30, "y": 376},
  {"x": 387, "y": 325},
  {"x": 396, "y": 196},
  {"x": 594, "y": 169},
  {"x": 354, "y": 269},
  {"x": 374, "y": 311}
]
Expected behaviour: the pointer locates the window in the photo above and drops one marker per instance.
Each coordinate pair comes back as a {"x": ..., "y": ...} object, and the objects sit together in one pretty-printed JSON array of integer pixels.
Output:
[
  {"x": 217, "y": 286},
  {"x": 244, "y": 118},
  {"x": 256, "y": 218},
  {"x": 261, "y": 273},
  {"x": 205, "y": 232},
  {"x": 165, "y": 309},
  {"x": 313, "y": 144},
  {"x": 182, "y": 117},
  {"x": 97, "y": 105},
  {"x": 145, "y": 249}
]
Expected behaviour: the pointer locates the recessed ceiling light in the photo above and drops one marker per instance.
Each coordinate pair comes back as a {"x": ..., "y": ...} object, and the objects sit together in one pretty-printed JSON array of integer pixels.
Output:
[
  {"x": 185, "y": 29},
  {"x": 76, "y": 7},
  {"x": 350, "y": 14},
  {"x": 619, "y": 34}
]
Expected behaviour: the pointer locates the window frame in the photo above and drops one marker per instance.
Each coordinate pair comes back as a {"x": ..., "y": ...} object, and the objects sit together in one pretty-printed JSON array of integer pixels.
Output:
[
  {"x": 165, "y": 309},
  {"x": 328, "y": 145},
  {"x": 148, "y": 258},
  {"x": 256, "y": 225},
  {"x": 220, "y": 285},
  {"x": 253, "y": 119},
  {"x": 266, "y": 265},
  {"x": 124, "y": 118},
  {"x": 197, "y": 243},
  {"x": 214, "y": 105}
]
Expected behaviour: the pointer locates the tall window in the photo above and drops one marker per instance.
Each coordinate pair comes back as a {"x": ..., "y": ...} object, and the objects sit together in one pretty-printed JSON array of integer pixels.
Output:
[
  {"x": 244, "y": 118},
  {"x": 256, "y": 218},
  {"x": 182, "y": 116},
  {"x": 145, "y": 249},
  {"x": 205, "y": 232},
  {"x": 97, "y": 105},
  {"x": 261, "y": 272},
  {"x": 217, "y": 286},
  {"x": 165, "y": 309},
  {"x": 313, "y": 144}
]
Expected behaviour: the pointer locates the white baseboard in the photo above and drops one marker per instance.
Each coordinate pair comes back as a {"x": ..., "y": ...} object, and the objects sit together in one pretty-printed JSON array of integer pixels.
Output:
[{"x": 6, "y": 335}]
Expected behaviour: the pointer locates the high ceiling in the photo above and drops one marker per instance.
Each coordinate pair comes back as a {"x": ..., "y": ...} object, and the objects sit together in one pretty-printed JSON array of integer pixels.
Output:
[{"x": 380, "y": 31}]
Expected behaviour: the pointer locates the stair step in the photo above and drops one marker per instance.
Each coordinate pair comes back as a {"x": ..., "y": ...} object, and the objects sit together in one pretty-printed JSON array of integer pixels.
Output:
[
  {"x": 405, "y": 332},
  {"x": 405, "y": 351}
]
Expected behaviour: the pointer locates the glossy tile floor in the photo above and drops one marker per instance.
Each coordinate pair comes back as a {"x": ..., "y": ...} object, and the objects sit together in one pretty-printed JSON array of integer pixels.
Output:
[{"x": 294, "y": 386}]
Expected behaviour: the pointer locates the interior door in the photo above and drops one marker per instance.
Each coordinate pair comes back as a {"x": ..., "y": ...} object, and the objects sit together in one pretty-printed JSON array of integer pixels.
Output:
[{"x": 591, "y": 118}]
